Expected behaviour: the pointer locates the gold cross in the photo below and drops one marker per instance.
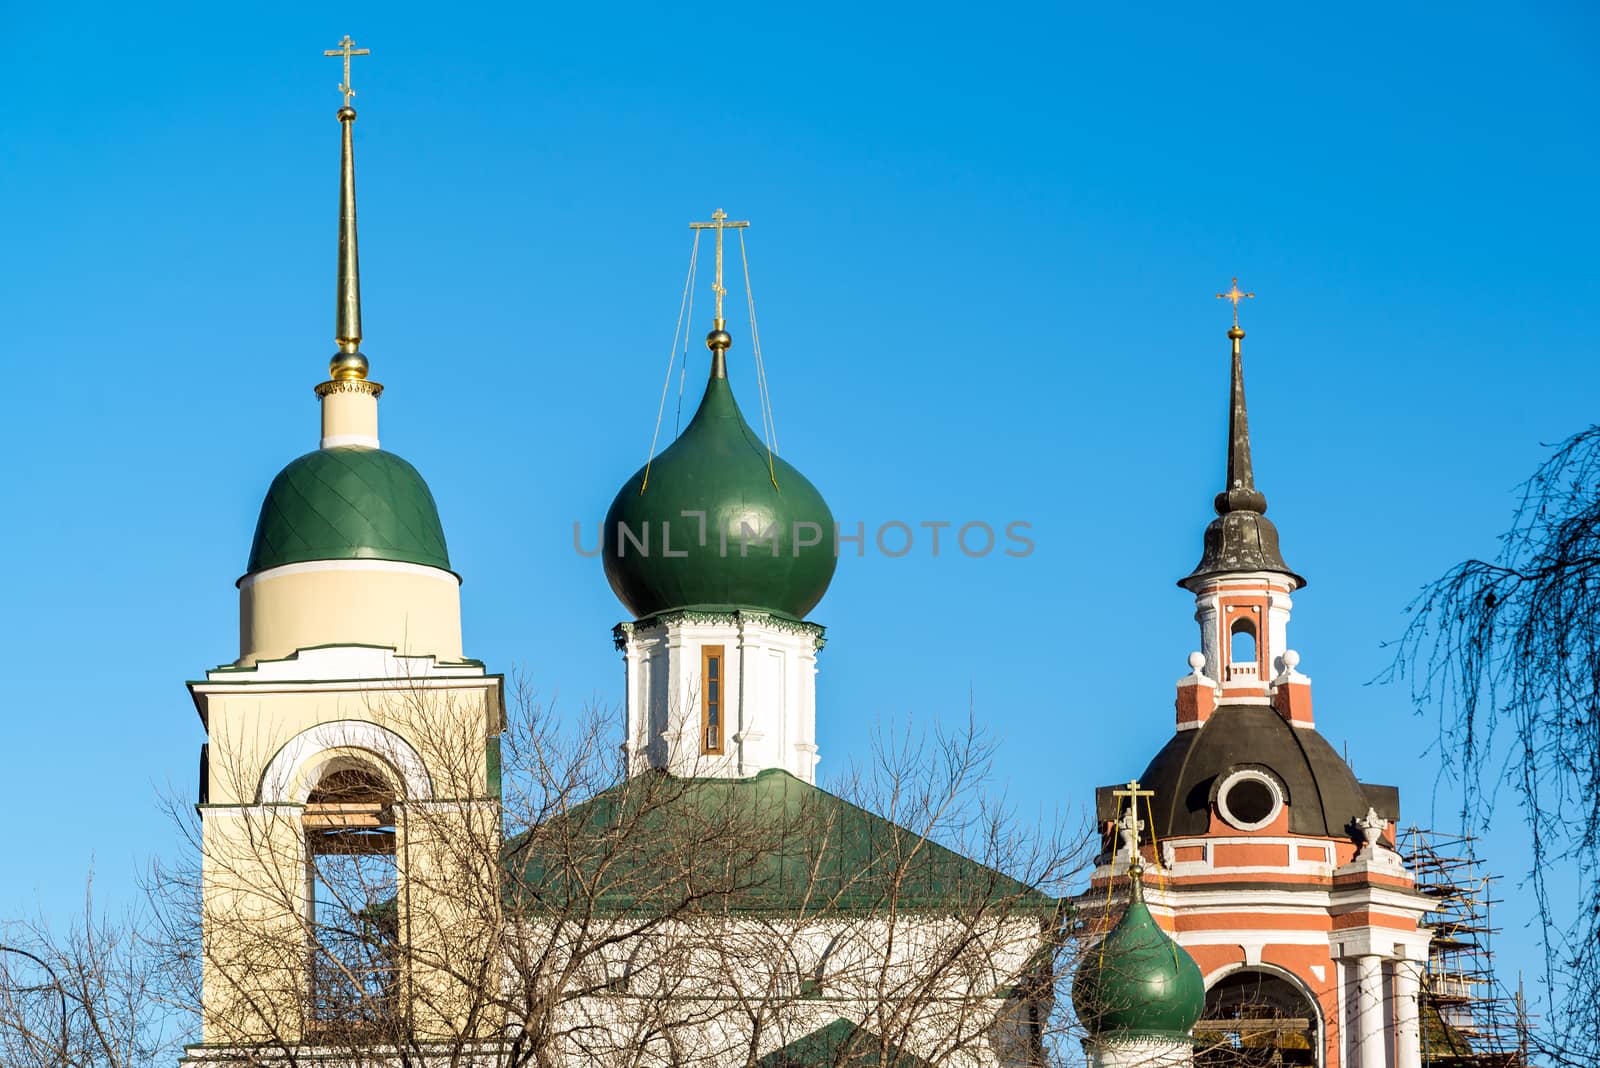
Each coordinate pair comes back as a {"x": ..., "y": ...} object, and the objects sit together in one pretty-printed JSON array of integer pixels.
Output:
[
  {"x": 1235, "y": 296},
  {"x": 1132, "y": 790},
  {"x": 719, "y": 222},
  {"x": 1129, "y": 825},
  {"x": 347, "y": 50}
]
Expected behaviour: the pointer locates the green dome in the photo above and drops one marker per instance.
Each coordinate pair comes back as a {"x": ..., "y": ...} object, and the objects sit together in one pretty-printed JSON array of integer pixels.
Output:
[
  {"x": 1138, "y": 982},
  {"x": 718, "y": 466},
  {"x": 348, "y": 503}
]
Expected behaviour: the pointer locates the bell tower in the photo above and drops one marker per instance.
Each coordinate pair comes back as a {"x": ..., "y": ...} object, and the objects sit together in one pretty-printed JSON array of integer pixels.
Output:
[
  {"x": 349, "y": 784},
  {"x": 1266, "y": 859},
  {"x": 1242, "y": 587}
]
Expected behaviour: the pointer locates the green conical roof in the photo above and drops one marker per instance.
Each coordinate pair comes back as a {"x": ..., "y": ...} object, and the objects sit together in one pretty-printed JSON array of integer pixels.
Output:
[
  {"x": 751, "y": 548},
  {"x": 348, "y": 503},
  {"x": 1138, "y": 982}
]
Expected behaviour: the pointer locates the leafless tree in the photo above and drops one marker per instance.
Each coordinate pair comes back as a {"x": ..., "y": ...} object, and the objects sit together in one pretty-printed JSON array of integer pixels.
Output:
[
  {"x": 1506, "y": 652},
  {"x": 593, "y": 917},
  {"x": 88, "y": 994}
]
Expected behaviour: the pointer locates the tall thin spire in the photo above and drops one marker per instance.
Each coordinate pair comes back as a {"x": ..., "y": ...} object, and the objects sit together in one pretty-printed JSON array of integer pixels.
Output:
[
  {"x": 348, "y": 362},
  {"x": 1241, "y": 538},
  {"x": 1239, "y": 491},
  {"x": 349, "y": 398}
]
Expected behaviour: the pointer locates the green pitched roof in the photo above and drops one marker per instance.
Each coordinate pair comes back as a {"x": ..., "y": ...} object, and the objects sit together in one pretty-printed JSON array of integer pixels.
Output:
[
  {"x": 841, "y": 1044},
  {"x": 1138, "y": 981},
  {"x": 697, "y": 534},
  {"x": 348, "y": 503},
  {"x": 767, "y": 843}
]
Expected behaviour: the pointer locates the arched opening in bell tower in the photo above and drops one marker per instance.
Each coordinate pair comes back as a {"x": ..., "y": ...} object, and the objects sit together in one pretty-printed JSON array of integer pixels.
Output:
[
  {"x": 1256, "y": 1017},
  {"x": 352, "y": 899},
  {"x": 1242, "y": 650}
]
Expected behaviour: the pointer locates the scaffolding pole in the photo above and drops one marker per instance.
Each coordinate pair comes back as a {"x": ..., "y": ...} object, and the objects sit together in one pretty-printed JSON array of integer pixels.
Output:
[{"x": 1468, "y": 1021}]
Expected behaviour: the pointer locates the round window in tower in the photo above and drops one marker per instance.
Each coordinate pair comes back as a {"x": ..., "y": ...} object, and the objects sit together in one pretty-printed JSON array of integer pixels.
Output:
[{"x": 1250, "y": 798}]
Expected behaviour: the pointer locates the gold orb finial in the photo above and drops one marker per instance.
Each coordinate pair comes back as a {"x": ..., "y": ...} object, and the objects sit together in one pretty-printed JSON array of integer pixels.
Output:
[{"x": 346, "y": 366}]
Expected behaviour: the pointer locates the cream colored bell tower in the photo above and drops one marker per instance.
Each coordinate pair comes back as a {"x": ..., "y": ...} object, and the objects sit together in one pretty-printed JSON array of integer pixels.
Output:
[{"x": 349, "y": 788}]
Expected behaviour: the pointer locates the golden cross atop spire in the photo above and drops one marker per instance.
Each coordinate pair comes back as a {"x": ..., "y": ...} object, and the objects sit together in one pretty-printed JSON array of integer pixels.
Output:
[
  {"x": 719, "y": 222},
  {"x": 346, "y": 49},
  {"x": 1235, "y": 296}
]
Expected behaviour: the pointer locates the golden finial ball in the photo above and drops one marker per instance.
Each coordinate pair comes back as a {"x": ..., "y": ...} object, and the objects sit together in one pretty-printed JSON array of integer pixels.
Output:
[
  {"x": 347, "y": 365},
  {"x": 719, "y": 340},
  {"x": 1236, "y": 334}
]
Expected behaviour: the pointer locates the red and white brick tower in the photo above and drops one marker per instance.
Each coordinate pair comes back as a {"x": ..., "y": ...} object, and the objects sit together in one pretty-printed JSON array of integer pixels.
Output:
[{"x": 1266, "y": 858}]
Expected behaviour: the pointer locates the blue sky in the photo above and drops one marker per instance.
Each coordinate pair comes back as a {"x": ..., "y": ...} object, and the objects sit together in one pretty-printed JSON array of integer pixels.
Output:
[{"x": 984, "y": 245}]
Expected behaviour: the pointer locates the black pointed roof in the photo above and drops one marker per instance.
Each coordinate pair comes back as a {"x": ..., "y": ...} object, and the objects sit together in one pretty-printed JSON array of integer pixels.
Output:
[{"x": 1241, "y": 538}]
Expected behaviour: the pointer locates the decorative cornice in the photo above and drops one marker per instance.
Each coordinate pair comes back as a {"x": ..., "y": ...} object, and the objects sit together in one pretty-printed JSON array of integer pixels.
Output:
[
  {"x": 622, "y": 632},
  {"x": 349, "y": 385},
  {"x": 1163, "y": 1043}
]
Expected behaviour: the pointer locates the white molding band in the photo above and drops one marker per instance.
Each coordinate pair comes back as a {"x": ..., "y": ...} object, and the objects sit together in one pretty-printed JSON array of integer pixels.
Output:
[
  {"x": 337, "y": 441},
  {"x": 311, "y": 566},
  {"x": 285, "y": 779}
]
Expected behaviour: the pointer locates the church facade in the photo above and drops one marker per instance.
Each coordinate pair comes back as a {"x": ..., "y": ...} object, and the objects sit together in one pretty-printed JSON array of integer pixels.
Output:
[{"x": 710, "y": 903}]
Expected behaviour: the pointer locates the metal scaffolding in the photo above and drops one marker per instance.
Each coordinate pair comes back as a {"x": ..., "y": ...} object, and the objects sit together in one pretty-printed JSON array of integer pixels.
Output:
[{"x": 1468, "y": 1020}]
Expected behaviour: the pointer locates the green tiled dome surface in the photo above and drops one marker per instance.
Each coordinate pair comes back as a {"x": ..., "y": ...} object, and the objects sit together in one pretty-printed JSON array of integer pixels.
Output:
[
  {"x": 348, "y": 504},
  {"x": 711, "y": 494}
]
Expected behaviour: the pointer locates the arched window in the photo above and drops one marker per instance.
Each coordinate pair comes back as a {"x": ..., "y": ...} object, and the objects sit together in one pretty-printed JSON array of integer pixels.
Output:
[
  {"x": 1242, "y": 642},
  {"x": 1256, "y": 1017},
  {"x": 353, "y": 899}
]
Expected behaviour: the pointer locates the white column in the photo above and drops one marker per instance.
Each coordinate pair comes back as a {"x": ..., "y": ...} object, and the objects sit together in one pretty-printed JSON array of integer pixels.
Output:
[
  {"x": 1407, "y": 1020},
  {"x": 1369, "y": 1011}
]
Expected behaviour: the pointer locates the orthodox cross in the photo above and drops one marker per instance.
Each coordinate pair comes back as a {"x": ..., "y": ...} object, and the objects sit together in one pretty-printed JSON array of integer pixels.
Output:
[
  {"x": 719, "y": 222},
  {"x": 346, "y": 49},
  {"x": 1235, "y": 296},
  {"x": 1129, "y": 825}
]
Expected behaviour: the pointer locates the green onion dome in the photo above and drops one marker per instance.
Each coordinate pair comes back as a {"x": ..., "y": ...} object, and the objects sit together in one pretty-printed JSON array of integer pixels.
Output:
[
  {"x": 348, "y": 503},
  {"x": 1138, "y": 983},
  {"x": 710, "y": 530}
]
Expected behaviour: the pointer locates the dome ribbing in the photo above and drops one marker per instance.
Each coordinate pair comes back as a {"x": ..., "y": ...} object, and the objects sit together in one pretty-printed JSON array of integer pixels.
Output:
[{"x": 348, "y": 503}]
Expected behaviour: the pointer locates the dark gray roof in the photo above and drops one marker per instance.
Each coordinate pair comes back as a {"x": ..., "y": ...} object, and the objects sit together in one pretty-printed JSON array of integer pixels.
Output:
[{"x": 1324, "y": 796}]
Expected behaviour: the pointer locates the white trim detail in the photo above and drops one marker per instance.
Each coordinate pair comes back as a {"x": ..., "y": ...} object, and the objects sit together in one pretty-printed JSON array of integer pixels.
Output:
[
  {"x": 309, "y": 566},
  {"x": 346, "y": 666},
  {"x": 287, "y": 779},
  {"x": 336, "y": 441},
  {"x": 1255, "y": 775}
]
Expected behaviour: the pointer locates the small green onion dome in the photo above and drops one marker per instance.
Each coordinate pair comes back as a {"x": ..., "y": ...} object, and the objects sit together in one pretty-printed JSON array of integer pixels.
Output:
[
  {"x": 348, "y": 503},
  {"x": 758, "y": 546},
  {"x": 1138, "y": 983}
]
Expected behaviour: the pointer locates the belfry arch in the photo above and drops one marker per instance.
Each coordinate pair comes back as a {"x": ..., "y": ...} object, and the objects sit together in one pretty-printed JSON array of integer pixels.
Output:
[
  {"x": 352, "y": 896},
  {"x": 1257, "y": 1014}
]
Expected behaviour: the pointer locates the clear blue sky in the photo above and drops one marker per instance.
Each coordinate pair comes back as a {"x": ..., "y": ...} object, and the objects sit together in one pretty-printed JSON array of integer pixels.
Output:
[{"x": 985, "y": 242}]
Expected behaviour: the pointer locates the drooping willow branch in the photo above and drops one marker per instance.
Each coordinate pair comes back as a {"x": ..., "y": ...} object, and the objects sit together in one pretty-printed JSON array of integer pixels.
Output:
[{"x": 1507, "y": 653}]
